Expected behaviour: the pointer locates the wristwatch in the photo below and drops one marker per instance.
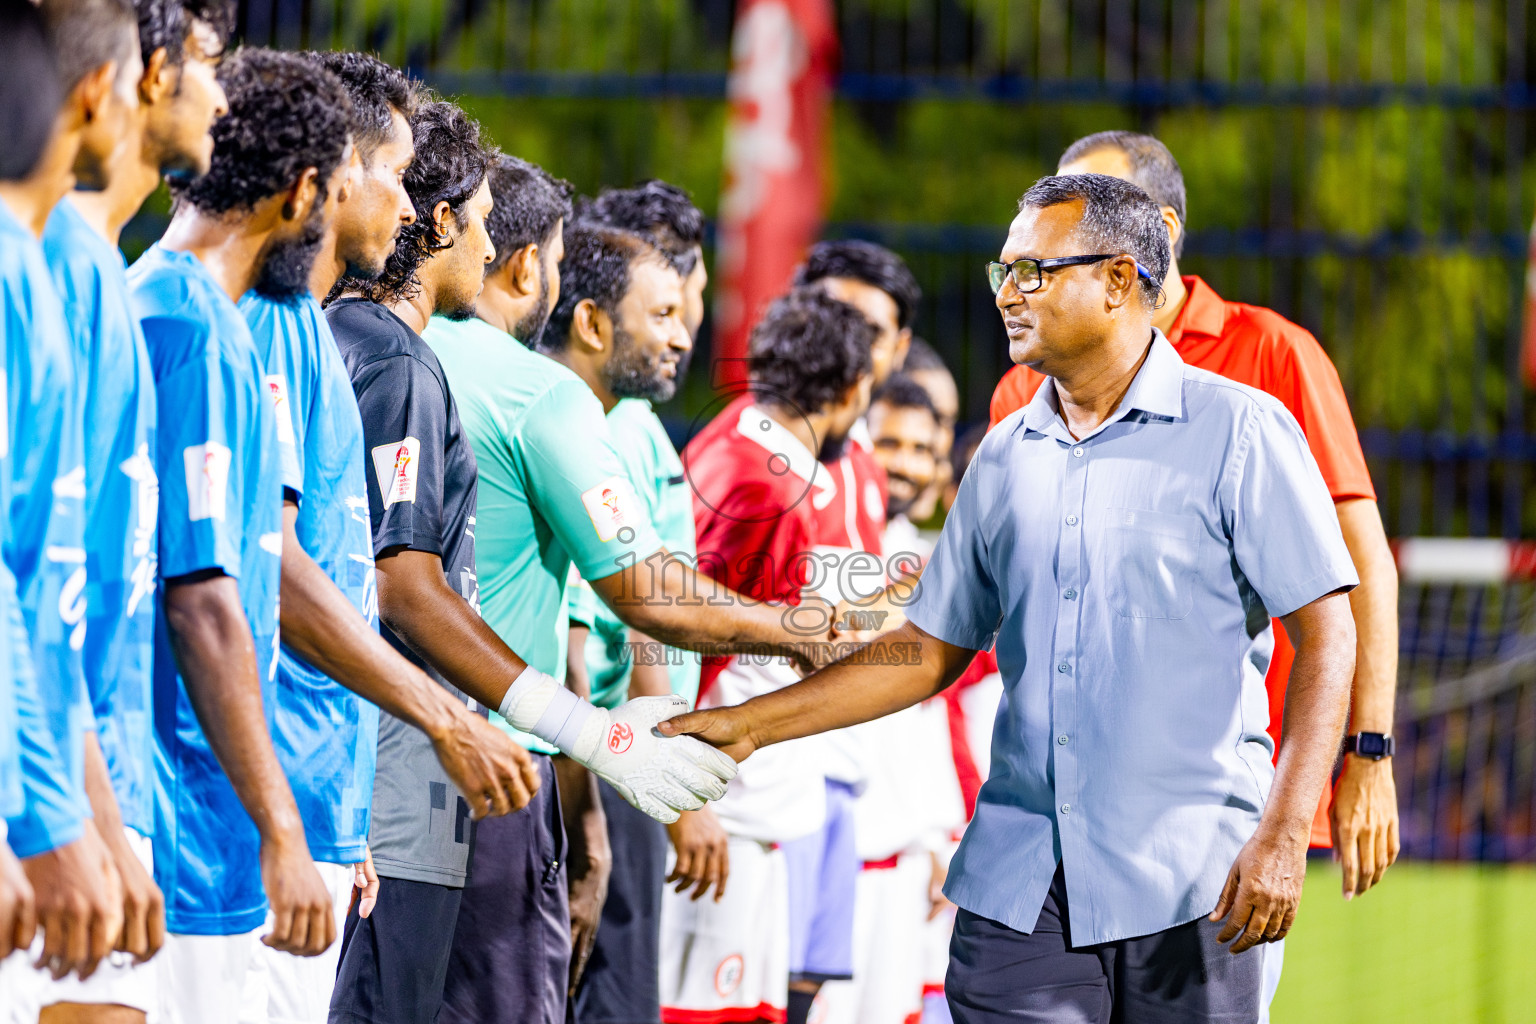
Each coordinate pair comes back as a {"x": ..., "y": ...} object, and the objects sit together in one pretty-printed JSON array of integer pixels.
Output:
[{"x": 1372, "y": 745}]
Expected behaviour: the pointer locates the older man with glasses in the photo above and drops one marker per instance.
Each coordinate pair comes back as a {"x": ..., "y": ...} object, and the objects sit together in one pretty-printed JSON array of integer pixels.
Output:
[{"x": 1107, "y": 539}]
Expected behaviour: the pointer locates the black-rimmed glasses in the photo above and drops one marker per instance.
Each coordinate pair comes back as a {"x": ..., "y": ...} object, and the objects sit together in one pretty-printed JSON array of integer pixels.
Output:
[{"x": 1029, "y": 274}]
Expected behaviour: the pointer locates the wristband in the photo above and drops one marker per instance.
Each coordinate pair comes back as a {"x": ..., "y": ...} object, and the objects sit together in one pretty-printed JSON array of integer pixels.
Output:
[{"x": 536, "y": 704}]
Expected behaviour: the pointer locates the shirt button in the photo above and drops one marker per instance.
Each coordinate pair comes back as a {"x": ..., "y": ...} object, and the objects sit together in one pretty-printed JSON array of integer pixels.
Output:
[
  {"x": 1063, "y": 667},
  {"x": 1070, "y": 595},
  {"x": 1078, "y": 451},
  {"x": 1062, "y": 739},
  {"x": 1066, "y": 808},
  {"x": 1071, "y": 520}
]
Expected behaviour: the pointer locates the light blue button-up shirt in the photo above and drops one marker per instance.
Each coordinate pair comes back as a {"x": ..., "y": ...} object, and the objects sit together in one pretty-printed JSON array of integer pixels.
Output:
[{"x": 1128, "y": 578}]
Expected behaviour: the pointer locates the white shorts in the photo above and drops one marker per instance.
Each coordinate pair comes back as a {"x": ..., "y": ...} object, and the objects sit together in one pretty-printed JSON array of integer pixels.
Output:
[
  {"x": 729, "y": 960},
  {"x": 202, "y": 976},
  {"x": 281, "y": 988},
  {"x": 118, "y": 980},
  {"x": 890, "y": 932}
]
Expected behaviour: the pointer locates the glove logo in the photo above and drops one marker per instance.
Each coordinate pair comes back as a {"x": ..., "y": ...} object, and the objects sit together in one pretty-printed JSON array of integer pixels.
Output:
[{"x": 620, "y": 738}]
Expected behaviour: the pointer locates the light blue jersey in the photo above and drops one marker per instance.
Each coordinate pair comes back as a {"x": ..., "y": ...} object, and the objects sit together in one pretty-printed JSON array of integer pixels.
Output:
[
  {"x": 327, "y": 737},
  {"x": 121, "y": 501},
  {"x": 220, "y": 510},
  {"x": 44, "y": 544}
]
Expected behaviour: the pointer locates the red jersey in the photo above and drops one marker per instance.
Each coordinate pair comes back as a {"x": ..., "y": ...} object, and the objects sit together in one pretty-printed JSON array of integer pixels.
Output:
[
  {"x": 1258, "y": 347},
  {"x": 758, "y": 498}
]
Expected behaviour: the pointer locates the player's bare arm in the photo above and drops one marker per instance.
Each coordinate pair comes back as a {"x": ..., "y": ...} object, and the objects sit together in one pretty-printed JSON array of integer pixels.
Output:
[
  {"x": 322, "y": 627},
  {"x": 1364, "y": 812},
  {"x": 668, "y": 606},
  {"x": 589, "y": 858},
  {"x": 211, "y": 640},
  {"x": 1263, "y": 889},
  {"x": 143, "y": 930},
  {"x": 18, "y": 906},
  {"x": 858, "y": 688}
]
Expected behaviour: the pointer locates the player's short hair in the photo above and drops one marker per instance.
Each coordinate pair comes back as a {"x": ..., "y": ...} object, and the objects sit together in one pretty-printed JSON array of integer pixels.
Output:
[
  {"x": 529, "y": 203},
  {"x": 85, "y": 34},
  {"x": 873, "y": 264},
  {"x": 30, "y": 93},
  {"x": 1117, "y": 217},
  {"x": 902, "y": 392},
  {"x": 597, "y": 264},
  {"x": 165, "y": 25},
  {"x": 921, "y": 356},
  {"x": 1152, "y": 167},
  {"x": 285, "y": 115},
  {"x": 808, "y": 350},
  {"x": 377, "y": 92},
  {"x": 661, "y": 213},
  {"x": 449, "y": 167}
]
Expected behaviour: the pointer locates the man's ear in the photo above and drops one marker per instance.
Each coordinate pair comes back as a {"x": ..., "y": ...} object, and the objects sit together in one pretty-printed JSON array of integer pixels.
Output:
[
  {"x": 903, "y": 346},
  {"x": 443, "y": 221},
  {"x": 525, "y": 267},
  {"x": 302, "y": 195},
  {"x": 589, "y": 326},
  {"x": 159, "y": 79},
  {"x": 1121, "y": 282},
  {"x": 1175, "y": 227},
  {"x": 91, "y": 92}
]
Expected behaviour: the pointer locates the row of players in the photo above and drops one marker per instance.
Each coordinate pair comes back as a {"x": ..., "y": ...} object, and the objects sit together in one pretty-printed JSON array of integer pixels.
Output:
[{"x": 297, "y": 204}]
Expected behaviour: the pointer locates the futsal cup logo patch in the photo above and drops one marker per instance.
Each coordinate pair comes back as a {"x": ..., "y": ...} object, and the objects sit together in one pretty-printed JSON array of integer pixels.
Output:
[
  {"x": 620, "y": 738},
  {"x": 207, "y": 469},
  {"x": 395, "y": 465},
  {"x": 728, "y": 975},
  {"x": 608, "y": 506}
]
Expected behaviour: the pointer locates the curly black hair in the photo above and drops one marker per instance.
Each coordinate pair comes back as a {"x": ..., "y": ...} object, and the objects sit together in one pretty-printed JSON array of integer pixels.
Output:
[
  {"x": 808, "y": 350},
  {"x": 450, "y": 166},
  {"x": 597, "y": 266},
  {"x": 165, "y": 25},
  {"x": 873, "y": 264},
  {"x": 378, "y": 92},
  {"x": 529, "y": 202},
  {"x": 660, "y": 212},
  {"x": 285, "y": 115},
  {"x": 30, "y": 92}
]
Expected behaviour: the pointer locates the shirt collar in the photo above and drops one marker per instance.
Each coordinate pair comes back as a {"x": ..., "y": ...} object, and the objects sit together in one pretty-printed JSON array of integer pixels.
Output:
[
  {"x": 1157, "y": 389},
  {"x": 757, "y": 426},
  {"x": 1204, "y": 312}
]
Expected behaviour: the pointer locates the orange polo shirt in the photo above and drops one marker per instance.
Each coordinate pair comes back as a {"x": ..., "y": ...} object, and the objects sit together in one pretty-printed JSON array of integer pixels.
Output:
[{"x": 1258, "y": 347}]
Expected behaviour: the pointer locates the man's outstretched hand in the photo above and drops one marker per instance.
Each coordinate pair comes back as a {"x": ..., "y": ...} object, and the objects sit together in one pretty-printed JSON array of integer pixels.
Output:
[
  {"x": 723, "y": 728},
  {"x": 657, "y": 773}
]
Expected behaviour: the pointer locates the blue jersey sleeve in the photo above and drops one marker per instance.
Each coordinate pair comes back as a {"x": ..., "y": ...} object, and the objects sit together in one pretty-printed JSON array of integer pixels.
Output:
[
  {"x": 207, "y": 408},
  {"x": 54, "y": 811}
]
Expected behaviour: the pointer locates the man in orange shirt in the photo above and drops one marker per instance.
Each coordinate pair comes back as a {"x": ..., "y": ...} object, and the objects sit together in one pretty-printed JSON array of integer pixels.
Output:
[{"x": 1258, "y": 347}]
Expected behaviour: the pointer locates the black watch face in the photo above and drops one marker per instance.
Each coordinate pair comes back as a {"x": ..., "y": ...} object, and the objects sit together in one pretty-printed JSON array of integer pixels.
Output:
[{"x": 1370, "y": 744}]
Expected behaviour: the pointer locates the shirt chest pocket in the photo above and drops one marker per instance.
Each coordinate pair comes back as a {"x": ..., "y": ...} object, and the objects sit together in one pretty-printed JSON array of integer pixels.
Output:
[{"x": 1150, "y": 562}]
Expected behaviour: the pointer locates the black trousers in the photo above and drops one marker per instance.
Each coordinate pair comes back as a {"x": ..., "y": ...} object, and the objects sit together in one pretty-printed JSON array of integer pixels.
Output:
[
  {"x": 394, "y": 961},
  {"x": 511, "y": 955},
  {"x": 1178, "y": 976},
  {"x": 622, "y": 982}
]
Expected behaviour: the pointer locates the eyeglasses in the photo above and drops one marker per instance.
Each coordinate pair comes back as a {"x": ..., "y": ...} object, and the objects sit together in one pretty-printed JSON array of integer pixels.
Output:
[{"x": 1028, "y": 274}]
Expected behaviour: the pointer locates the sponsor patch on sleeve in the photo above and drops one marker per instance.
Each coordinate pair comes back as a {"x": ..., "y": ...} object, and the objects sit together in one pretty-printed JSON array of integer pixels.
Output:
[
  {"x": 611, "y": 507},
  {"x": 207, "y": 468},
  {"x": 277, "y": 394},
  {"x": 395, "y": 465}
]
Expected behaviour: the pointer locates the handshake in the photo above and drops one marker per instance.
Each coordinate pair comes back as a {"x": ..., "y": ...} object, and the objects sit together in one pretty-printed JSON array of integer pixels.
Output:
[{"x": 660, "y": 775}]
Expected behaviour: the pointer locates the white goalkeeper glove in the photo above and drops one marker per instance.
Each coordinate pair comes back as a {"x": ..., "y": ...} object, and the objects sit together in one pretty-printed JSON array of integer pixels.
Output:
[{"x": 659, "y": 775}]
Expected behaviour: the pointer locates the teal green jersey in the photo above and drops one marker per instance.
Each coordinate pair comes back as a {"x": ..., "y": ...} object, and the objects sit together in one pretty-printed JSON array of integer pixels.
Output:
[
  {"x": 553, "y": 490},
  {"x": 656, "y": 473}
]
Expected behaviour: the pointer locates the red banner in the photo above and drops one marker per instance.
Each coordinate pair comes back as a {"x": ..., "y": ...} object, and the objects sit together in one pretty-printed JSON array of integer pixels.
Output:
[
  {"x": 771, "y": 209},
  {"x": 1528, "y": 332}
]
